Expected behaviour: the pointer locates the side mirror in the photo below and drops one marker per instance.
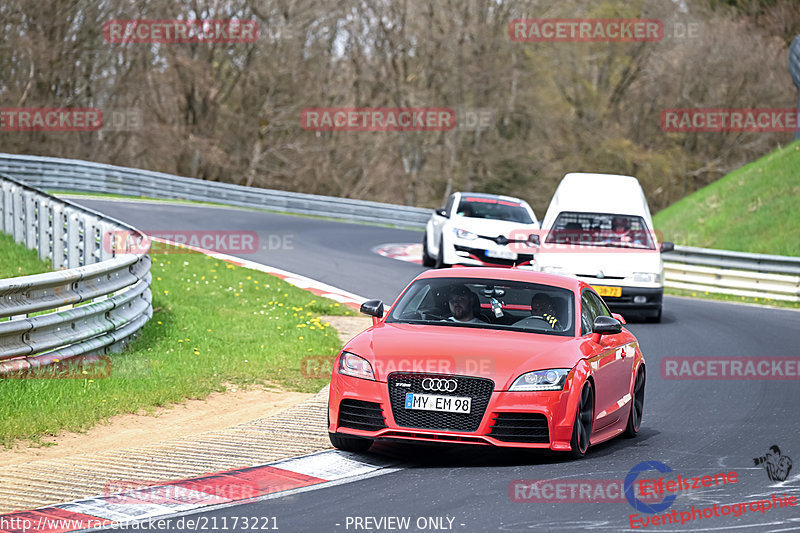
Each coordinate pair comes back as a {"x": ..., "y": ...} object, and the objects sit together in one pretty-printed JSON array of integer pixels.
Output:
[
  {"x": 441, "y": 212},
  {"x": 372, "y": 308},
  {"x": 619, "y": 317},
  {"x": 667, "y": 247},
  {"x": 605, "y": 325}
]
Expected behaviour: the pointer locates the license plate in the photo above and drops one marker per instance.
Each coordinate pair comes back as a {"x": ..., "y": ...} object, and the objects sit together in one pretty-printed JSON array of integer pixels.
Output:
[
  {"x": 614, "y": 292},
  {"x": 433, "y": 402},
  {"x": 501, "y": 254}
]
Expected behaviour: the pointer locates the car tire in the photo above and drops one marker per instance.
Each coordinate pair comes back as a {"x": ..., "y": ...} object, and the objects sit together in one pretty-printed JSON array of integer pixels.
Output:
[
  {"x": 440, "y": 257},
  {"x": 582, "y": 427},
  {"x": 349, "y": 444},
  {"x": 427, "y": 260},
  {"x": 637, "y": 405},
  {"x": 656, "y": 318}
]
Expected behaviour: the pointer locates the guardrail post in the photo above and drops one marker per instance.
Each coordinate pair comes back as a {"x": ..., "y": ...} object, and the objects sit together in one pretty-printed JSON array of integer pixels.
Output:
[
  {"x": 45, "y": 229},
  {"x": 58, "y": 236},
  {"x": 19, "y": 216},
  {"x": 31, "y": 240},
  {"x": 74, "y": 236}
]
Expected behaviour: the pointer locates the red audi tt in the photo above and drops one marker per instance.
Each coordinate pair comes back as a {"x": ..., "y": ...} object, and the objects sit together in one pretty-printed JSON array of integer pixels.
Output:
[{"x": 489, "y": 356}]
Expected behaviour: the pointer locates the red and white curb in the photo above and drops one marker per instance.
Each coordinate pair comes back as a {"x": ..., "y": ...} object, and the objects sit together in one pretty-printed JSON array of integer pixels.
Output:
[
  {"x": 311, "y": 285},
  {"x": 232, "y": 487},
  {"x": 411, "y": 253}
]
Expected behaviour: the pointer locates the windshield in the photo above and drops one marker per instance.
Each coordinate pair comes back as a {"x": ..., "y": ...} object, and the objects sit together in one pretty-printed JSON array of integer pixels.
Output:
[
  {"x": 601, "y": 229},
  {"x": 487, "y": 304},
  {"x": 495, "y": 209}
]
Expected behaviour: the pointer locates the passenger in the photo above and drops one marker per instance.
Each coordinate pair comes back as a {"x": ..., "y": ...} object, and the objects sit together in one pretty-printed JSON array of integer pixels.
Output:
[
  {"x": 542, "y": 305},
  {"x": 463, "y": 303}
]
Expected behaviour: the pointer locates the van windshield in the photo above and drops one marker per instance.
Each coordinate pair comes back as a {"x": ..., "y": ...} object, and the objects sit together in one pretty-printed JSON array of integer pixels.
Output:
[{"x": 601, "y": 229}]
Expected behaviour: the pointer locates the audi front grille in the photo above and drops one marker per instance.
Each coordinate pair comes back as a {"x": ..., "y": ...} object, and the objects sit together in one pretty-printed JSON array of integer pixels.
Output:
[{"x": 478, "y": 389}]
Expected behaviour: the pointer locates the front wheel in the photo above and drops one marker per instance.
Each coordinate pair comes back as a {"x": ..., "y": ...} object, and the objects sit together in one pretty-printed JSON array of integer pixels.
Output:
[
  {"x": 637, "y": 406},
  {"x": 440, "y": 256},
  {"x": 582, "y": 428},
  {"x": 427, "y": 260},
  {"x": 655, "y": 317},
  {"x": 349, "y": 444}
]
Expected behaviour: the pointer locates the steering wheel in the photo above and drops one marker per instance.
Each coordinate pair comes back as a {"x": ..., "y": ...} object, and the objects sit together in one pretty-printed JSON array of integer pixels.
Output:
[
  {"x": 431, "y": 313},
  {"x": 537, "y": 317}
]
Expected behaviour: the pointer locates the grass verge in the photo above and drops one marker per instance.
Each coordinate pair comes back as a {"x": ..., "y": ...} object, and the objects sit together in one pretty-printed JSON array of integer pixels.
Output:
[
  {"x": 730, "y": 298},
  {"x": 752, "y": 209},
  {"x": 16, "y": 260},
  {"x": 213, "y": 324}
]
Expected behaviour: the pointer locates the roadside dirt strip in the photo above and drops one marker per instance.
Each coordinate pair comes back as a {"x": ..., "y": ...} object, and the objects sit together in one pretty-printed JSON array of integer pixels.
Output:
[{"x": 296, "y": 431}]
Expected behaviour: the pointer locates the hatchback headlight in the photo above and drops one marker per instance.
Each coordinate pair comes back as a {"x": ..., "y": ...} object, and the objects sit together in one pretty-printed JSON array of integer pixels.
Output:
[
  {"x": 353, "y": 365},
  {"x": 552, "y": 379},
  {"x": 464, "y": 234}
]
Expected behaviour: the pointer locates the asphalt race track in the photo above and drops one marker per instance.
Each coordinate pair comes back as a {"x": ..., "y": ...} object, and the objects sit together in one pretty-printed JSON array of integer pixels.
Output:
[{"x": 697, "y": 428}]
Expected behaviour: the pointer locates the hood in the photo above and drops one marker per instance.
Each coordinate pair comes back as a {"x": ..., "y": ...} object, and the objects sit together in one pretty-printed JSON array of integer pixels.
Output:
[
  {"x": 501, "y": 356},
  {"x": 621, "y": 263},
  {"x": 488, "y": 227}
]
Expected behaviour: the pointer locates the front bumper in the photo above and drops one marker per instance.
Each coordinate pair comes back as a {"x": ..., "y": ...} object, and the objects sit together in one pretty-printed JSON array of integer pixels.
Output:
[
  {"x": 548, "y": 415},
  {"x": 631, "y": 299},
  {"x": 467, "y": 255}
]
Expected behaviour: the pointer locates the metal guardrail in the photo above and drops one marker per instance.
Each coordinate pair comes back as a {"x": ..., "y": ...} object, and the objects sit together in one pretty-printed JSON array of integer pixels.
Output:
[
  {"x": 73, "y": 175},
  {"x": 700, "y": 269},
  {"x": 775, "y": 277},
  {"x": 95, "y": 302}
]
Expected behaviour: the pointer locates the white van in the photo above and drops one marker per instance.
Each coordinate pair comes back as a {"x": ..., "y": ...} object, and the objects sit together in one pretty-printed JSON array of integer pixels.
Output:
[{"x": 598, "y": 228}]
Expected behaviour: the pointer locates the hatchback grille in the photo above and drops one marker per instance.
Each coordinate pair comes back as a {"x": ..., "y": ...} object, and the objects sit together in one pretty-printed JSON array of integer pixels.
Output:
[
  {"x": 479, "y": 389},
  {"x": 366, "y": 416},
  {"x": 520, "y": 427}
]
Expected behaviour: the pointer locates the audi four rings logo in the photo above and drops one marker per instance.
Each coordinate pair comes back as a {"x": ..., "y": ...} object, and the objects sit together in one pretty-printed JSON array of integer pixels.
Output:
[{"x": 441, "y": 385}]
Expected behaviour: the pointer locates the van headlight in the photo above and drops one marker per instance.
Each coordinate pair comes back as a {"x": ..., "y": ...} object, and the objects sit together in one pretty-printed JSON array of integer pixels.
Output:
[{"x": 645, "y": 277}]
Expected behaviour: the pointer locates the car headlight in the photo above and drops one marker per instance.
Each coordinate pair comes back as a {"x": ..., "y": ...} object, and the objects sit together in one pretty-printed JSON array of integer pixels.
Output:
[
  {"x": 552, "y": 379},
  {"x": 645, "y": 277},
  {"x": 464, "y": 234},
  {"x": 351, "y": 364}
]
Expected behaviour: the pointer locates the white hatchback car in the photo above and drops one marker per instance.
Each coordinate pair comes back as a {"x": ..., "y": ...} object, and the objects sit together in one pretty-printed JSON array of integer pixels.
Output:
[{"x": 474, "y": 229}]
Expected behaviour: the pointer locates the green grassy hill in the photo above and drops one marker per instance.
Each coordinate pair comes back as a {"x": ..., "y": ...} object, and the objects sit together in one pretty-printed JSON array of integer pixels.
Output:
[{"x": 753, "y": 209}]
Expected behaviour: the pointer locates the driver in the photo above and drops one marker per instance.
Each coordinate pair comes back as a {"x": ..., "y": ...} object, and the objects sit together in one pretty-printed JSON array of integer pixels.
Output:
[
  {"x": 542, "y": 305},
  {"x": 461, "y": 301}
]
